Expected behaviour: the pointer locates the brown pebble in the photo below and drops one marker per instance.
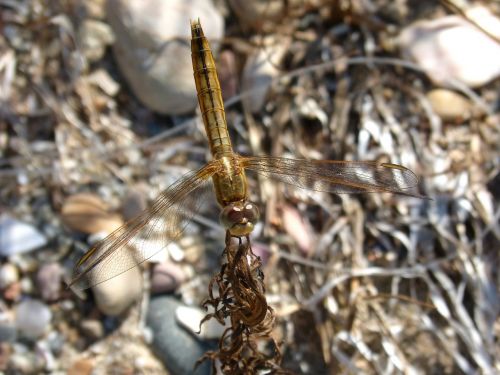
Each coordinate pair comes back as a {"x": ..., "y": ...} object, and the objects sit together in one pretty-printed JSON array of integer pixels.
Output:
[
  {"x": 82, "y": 366},
  {"x": 166, "y": 277},
  {"x": 448, "y": 104},
  {"x": 87, "y": 213}
]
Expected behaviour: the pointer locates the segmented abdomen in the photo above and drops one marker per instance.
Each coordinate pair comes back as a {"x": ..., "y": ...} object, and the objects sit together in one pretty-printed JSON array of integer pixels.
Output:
[{"x": 209, "y": 93}]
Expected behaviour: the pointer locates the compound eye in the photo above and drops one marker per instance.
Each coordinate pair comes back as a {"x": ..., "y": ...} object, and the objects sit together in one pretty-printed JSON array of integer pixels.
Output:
[{"x": 239, "y": 218}]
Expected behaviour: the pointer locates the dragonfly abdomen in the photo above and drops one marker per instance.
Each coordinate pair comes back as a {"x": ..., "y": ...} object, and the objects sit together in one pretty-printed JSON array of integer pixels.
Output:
[{"x": 209, "y": 93}]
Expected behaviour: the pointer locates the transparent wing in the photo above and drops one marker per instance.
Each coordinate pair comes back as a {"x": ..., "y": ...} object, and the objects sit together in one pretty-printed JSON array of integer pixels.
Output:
[
  {"x": 166, "y": 219},
  {"x": 336, "y": 176}
]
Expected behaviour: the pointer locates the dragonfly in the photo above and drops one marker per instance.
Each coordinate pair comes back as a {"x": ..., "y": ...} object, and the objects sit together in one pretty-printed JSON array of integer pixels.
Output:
[{"x": 225, "y": 174}]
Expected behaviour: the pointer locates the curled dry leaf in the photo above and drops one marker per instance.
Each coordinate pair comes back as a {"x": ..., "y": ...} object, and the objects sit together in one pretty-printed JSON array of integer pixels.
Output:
[{"x": 87, "y": 213}]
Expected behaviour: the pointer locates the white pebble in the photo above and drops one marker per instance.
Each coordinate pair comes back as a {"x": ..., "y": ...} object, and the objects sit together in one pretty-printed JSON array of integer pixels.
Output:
[
  {"x": 32, "y": 318},
  {"x": 8, "y": 275},
  {"x": 191, "y": 317},
  {"x": 17, "y": 237},
  {"x": 450, "y": 49}
]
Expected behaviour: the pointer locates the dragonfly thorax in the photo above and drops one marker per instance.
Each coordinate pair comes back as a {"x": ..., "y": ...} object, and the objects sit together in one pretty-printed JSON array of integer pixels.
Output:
[
  {"x": 239, "y": 218},
  {"x": 230, "y": 182}
]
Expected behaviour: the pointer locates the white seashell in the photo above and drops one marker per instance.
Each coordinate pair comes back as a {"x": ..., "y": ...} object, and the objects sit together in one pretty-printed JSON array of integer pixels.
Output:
[{"x": 17, "y": 237}]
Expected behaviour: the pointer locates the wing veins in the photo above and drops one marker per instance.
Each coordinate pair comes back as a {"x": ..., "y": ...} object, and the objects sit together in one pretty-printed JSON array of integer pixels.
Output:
[
  {"x": 122, "y": 236},
  {"x": 349, "y": 175}
]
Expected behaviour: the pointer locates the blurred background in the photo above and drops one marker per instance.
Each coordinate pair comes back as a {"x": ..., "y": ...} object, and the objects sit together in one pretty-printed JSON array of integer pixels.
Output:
[{"x": 98, "y": 114}]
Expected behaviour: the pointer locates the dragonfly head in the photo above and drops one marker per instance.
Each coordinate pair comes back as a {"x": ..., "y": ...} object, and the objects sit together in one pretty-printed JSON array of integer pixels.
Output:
[{"x": 239, "y": 218}]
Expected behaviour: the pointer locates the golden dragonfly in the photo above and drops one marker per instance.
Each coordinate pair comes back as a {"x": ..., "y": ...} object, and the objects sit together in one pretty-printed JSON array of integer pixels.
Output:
[{"x": 176, "y": 206}]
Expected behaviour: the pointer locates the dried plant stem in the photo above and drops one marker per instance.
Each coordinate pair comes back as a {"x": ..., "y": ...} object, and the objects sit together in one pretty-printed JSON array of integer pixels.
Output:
[{"x": 236, "y": 294}]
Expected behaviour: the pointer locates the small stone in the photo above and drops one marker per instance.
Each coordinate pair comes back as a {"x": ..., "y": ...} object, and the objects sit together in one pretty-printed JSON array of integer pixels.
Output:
[
  {"x": 104, "y": 81},
  {"x": 26, "y": 285},
  {"x": 134, "y": 202},
  {"x": 49, "y": 279},
  {"x": 32, "y": 318},
  {"x": 13, "y": 291},
  {"x": 94, "y": 37},
  {"x": 92, "y": 328},
  {"x": 94, "y": 9},
  {"x": 17, "y": 237},
  {"x": 260, "y": 14},
  {"x": 5, "y": 352},
  {"x": 8, "y": 275},
  {"x": 167, "y": 276},
  {"x": 87, "y": 213},
  {"x": 228, "y": 74},
  {"x": 451, "y": 49},
  {"x": 449, "y": 105},
  {"x": 178, "y": 348},
  {"x": 56, "y": 341},
  {"x": 190, "y": 317},
  {"x": 148, "y": 34},
  {"x": 24, "y": 363},
  {"x": 83, "y": 366},
  {"x": 8, "y": 332},
  {"x": 258, "y": 74},
  {"x": 114, "y": 296}
]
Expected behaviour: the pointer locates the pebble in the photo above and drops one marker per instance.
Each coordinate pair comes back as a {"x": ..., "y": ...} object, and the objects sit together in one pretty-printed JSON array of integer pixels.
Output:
[
  {"x": 228, "y": 74},
  {"x": 5, "y": 352},
  {"x": 25, "y": 363},
  {"x": 451, "y": 49},
  {"x": 190, "y": 318},
  {"x": 258, "y": 13},
  {"x": 87, "y": 213},
  {"x": 177, "y": 348},
  {"x": 114, "y": 296},
  {"x": 8, "y": 332},
  {"x": 92, "y": 328},
  {"x": 104, "y": 81},
  {"x": 166, "y": 277},
  {"x": 26, "y": 284},
  {"x": 449, "y": 105},
  {"x": 32, "y": 318},
  {"x": 134, "y": 202},
  {"x": 17, "y": 237},
  {"x": 8, "y": 275},
  {"x": 94, "y": 36},
  {"x": 153, "y": 52},
  {"x": 49, "y": 280},
  {"x": 83, "y": 366},
  {"x": 56, "y": 341},
  {"x": 259, "y": 71},
  {"x": 13, "y": 291}
]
